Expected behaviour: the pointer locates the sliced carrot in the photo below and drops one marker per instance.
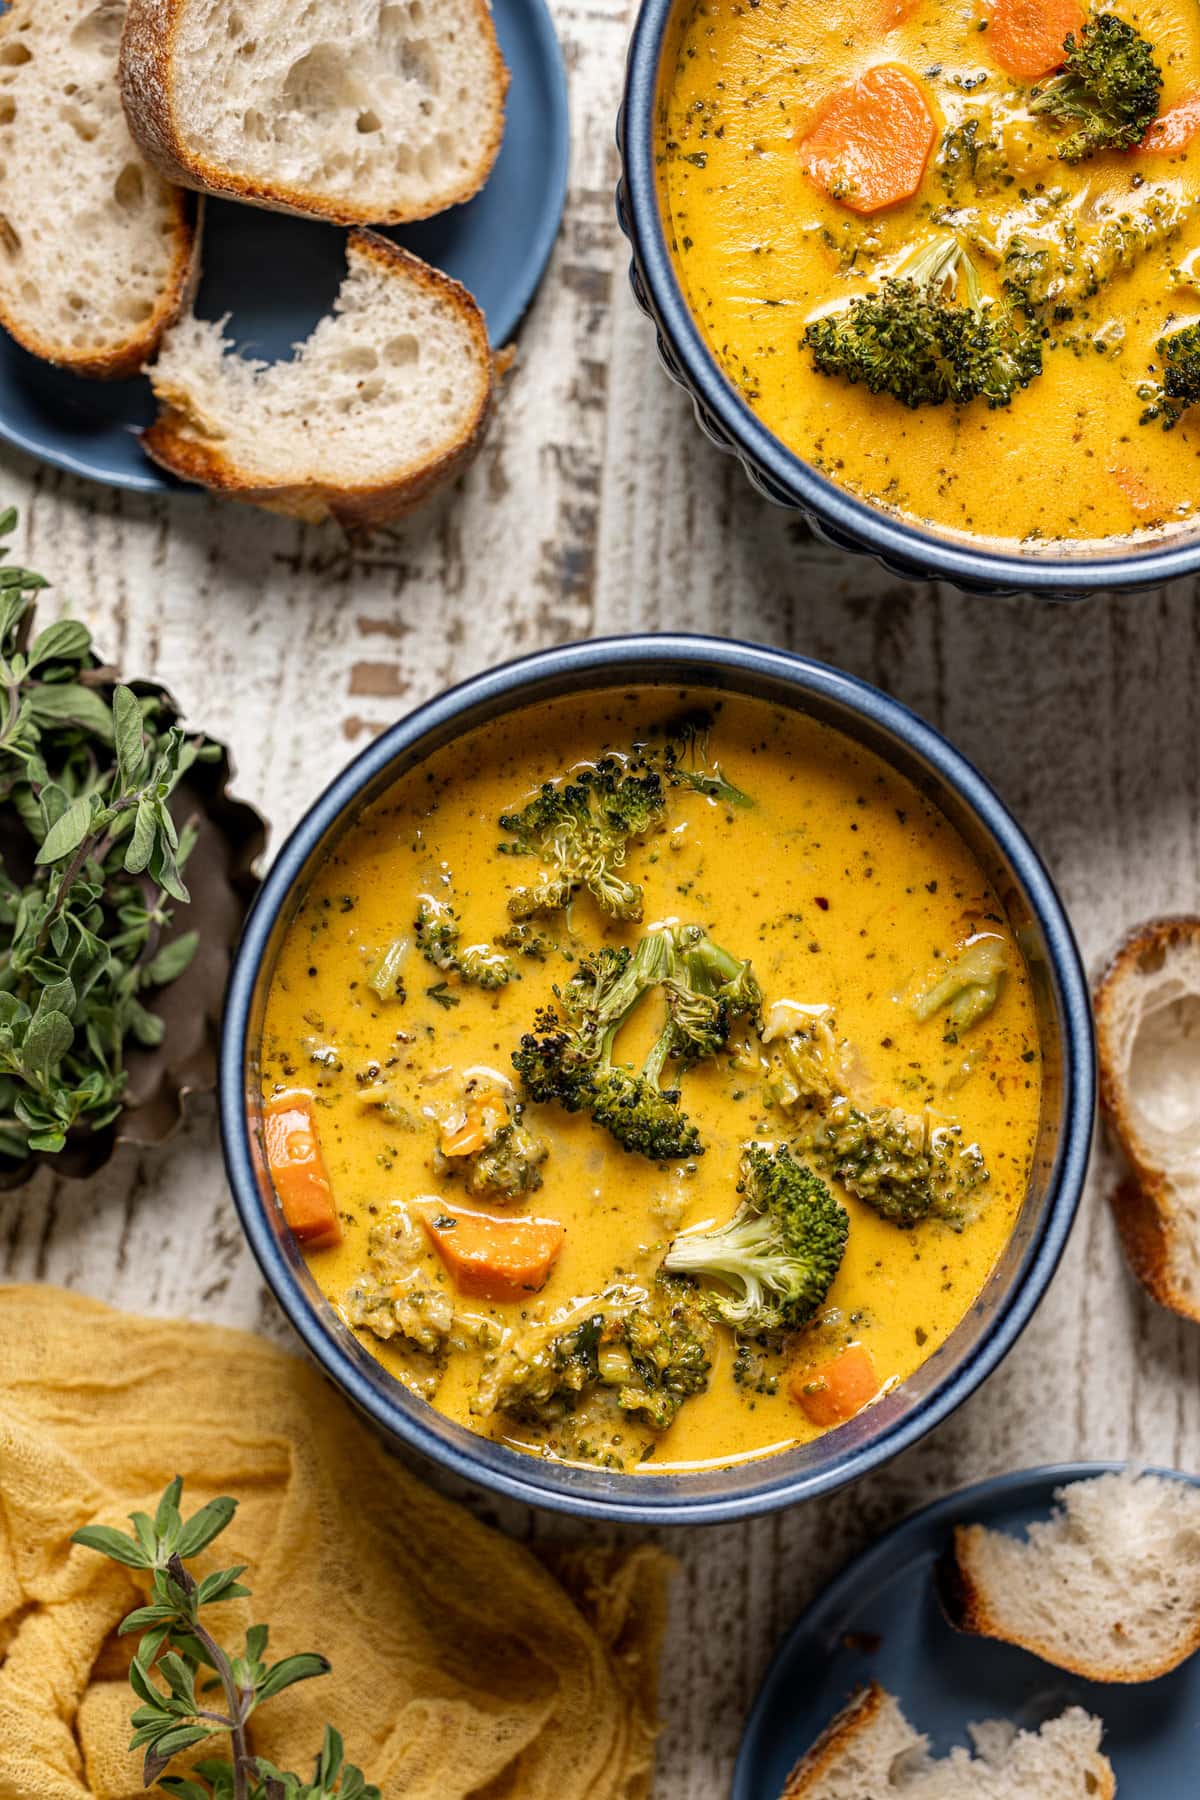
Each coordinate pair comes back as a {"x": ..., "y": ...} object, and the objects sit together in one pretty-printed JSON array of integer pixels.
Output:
[
  {"x": 494, "y": 1259},
  {"x": 834, "y": 1391},
  {"x": 869, "y": 145},
  {"x": 1027, "y": 37},
  {"x": 298, "y": 1171},
  {"x": 1174, "y": 129},
  {"x": 1145, "y": 500}
]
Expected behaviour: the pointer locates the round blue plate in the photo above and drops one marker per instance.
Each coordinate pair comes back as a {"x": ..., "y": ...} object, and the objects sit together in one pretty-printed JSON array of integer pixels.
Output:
[
  {"x": 277, "y": 276},
  {"x": 880, "y": 1620}
]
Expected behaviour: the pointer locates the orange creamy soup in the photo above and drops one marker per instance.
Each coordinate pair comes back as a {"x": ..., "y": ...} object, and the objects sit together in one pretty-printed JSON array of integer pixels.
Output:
[
  {"x": 809, "y": 153},
  {"x": 652, "y": 1080}
]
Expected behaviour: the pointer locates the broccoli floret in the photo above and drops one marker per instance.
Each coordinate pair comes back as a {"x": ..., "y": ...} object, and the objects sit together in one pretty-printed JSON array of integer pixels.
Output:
[
  {"x": 1180, "y": 385},
  {"x": 399, "y": 1295},
  {"x": 707, "y": 994},
  {"x": 969, "y": 988},
  {"x": 902, "y": 1165},
  {"x": 439, "y": 939},
  {"x": 568, "y": 1059},
  {"x": 684, "y": 760},
  {"x": 580, "y": 828},
  {"x": 649, "y": 1352},
  {"x": 510, "y": 1165},
  {"x": 913, "y": 340},
  {"x": 1058, "y": 263},
  {"x": 777, "y": 1257},
  {"x": 525, "y": 939},
  {"x": 1109, "y": 88}
]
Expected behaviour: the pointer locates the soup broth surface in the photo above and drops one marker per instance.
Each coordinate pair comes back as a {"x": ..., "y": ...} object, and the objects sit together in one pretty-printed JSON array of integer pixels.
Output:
[
  {"x": 761, "y": 251},
  {"x": 843, "y": 887}
]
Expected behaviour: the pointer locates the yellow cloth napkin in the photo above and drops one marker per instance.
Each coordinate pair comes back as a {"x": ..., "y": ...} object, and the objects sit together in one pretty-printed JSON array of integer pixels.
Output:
[{"x": 460, "y": 1666}]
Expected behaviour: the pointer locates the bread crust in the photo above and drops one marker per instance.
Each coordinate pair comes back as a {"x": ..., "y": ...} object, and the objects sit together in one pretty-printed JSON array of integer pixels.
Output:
[
  {"x": 121, "y": 360},
  {"x": 173, "y": 445},
  {"x": 965, "y": 1604},
  {"x": 147, "y": 88},
  {"x": 1141, "y": 1203},
  {"x": 858, "y": 1715}
]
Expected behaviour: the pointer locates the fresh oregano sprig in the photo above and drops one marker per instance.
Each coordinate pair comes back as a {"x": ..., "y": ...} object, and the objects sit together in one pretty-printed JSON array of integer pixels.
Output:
[
  {"x": 91, "y": 861},
  {"x": 189, "y": 1689}
]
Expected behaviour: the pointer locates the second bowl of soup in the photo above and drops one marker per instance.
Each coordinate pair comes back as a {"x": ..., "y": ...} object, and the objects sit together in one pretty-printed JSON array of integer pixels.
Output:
[
  {"x": 928, "y": 268},
  {"x": 658, "y": 1081}
]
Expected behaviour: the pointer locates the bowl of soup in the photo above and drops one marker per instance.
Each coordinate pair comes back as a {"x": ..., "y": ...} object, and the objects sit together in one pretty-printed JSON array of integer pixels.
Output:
[
  {"x": 657, "y": 1079},
  {"x": 919, "y": 280}
]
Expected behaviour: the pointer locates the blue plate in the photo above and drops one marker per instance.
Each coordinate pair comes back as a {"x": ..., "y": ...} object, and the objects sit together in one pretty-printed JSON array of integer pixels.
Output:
[
  {"x": 880, "y": 1620},
  {"x": 277, "y": 276}
]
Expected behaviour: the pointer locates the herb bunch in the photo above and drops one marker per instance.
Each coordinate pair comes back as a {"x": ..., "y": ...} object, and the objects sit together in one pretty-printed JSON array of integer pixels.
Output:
[
  {"x": 90, "y": 862},
  {"x": 190, "y": 1689}
]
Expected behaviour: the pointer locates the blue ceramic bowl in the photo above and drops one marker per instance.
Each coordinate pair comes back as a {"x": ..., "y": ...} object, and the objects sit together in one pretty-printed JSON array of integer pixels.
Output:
[
  {"x": 1064, "y": 1014},
  {"x": 914, "y": 553}
]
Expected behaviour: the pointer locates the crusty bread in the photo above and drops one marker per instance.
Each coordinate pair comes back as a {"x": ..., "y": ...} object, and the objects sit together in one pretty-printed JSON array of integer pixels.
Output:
[
  {"x": 385, "y": 402},
  {"x": 363, "y": 111},
  {"x": 97, "y": 252},
  {"x": 871, "y": 1752},
  {"x": 1107, "y": 1587},
  {"x": 1148, "y": 1029}
]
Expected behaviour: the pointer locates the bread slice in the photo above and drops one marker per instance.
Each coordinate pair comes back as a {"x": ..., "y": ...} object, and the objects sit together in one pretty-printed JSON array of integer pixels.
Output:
[
  {"x": 386, "y": 402},
  {"x": 871, "y": 1752},
  {"x": 1107, "y": 1587},
  {"x": 1148, "y": 1031},
  {"x": 352, "y": 110},
  {"x": 97, "y": 252}
]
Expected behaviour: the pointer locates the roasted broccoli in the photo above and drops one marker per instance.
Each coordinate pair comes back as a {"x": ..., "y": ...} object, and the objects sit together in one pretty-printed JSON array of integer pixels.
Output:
[
  {"x": 903, "y": 1165},
  {"x": 968, "y": 990},
  {"x": 777, "y": 1257},
  {"x": 913, "y": 340},
  {"x": 568, "y": 1058},
  {"x": 647, "y": 1351},
  {"x": 580, "y": 829},
  {"x": 1180, "y": 385},
  {"x": 439, "y": 939},
  {"x": 1108, "y": 89}
]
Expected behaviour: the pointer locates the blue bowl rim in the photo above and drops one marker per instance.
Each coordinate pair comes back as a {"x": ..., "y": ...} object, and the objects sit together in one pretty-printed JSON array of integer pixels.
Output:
[
  {"x": 894, "y": 541},
  {"x": 590, "y": 665},
  {"x": 875, "y": 1559}
]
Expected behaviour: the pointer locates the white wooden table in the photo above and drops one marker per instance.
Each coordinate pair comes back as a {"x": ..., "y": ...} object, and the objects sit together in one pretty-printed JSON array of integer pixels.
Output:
[{"x": 597, "y": 507}]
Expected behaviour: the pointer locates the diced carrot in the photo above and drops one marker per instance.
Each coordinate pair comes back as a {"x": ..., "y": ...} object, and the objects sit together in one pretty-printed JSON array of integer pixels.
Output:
[
  {"x": 1174, "y": 129},
  {"x": 834, "y": 1391},
  {"x": 298, "y": 1171},
  {"x": 869, "y": 145},
  {"x": 494, "y": 1259},
  {"x": 1027, "y": 37}
]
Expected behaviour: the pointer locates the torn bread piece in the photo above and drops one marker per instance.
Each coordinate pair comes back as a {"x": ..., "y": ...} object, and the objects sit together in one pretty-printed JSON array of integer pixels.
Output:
[
  {"x": 384, "y": 404},
  {"x": 1107, "y": 1587},
  {"x": 1148, "y": 1033},
  {"x": 352, "y": 110},
  {"x": 871, "y": 1752},
  {"x": 97, "y": 251}
]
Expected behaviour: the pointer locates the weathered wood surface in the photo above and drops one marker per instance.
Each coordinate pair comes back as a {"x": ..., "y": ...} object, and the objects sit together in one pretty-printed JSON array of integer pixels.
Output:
[{"x": 598, "y": 508}]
